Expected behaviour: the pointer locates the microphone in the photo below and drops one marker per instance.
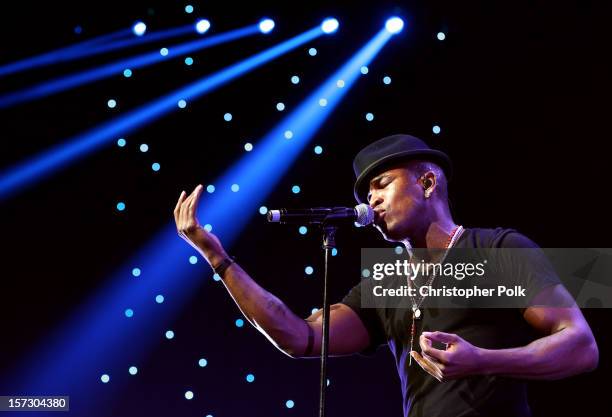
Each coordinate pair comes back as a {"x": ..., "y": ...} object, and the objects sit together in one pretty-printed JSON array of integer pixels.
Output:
[{"x": 362, "y": 214}]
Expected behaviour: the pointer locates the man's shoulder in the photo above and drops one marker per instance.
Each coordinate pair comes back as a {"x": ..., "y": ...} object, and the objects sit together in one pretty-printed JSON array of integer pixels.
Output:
[{"x": 498, "y": 237}]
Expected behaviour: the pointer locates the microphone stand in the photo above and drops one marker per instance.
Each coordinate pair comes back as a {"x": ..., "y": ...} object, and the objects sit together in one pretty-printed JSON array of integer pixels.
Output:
[{"x": 329, "y": 243}]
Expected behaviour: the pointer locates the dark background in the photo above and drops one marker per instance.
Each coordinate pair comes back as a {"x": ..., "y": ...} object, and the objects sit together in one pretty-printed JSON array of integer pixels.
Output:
[{"x": 520, "y": 89}]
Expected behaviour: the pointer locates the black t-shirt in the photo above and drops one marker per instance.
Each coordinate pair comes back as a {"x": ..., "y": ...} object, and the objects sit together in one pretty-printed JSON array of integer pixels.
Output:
[{"x": 487, "y": 328}]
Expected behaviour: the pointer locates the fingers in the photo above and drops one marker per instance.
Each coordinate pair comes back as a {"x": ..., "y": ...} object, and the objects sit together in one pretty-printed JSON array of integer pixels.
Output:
[
  {"x": 177, "y": 209},
  {"x": 429, "y": 351},
  {"x": 442, "y": 337},
  {"x": 426, "y": 365},
  {"x": 193, "y": 205}
]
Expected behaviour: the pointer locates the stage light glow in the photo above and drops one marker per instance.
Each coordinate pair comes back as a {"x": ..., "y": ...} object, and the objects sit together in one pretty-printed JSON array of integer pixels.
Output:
[
  {"x": 399, "y": 250},
  {"x": 235, "y": 188},
  {"x": 295, "y": 79},
  {"x": 111, "y": 103},
  {"x": 288, "y": 134},
  {"x": 216, "y": 277},
  {"x": 202, "y": 26},
  {"x": 139, "y": 28},
  {"x": 208, "y": 227},
  {"x": 169, "y": 334},
  {"x": 189, "y": 395},
  {"x": 314, "y": 310},
  {"x": 364, "y": 70},
  {"x": 105, "y": 378},
  {"x": 263, "y": 210},
  {"x": 329, "y": 25},
  {"x": 189, "y": 60},
  {"x": 295, "y": 189},
  {"x": 322, "y": 102},
  {"x": 441, "y": 36},
  {"x": 127, "y": 73},
  {"x": 289, "y": 404},
  {"x": 210, "y": 188},
  {"x": 239, "y": 323},
  {"x": 369, "y": 117},
  {"x": 365, "y": 273},
  {"x": 121, "y": 142},
  {"x": 155, "y": 166},
  {"x": 182, "y": 104},
  {"x": 436, "y": 129},
  {"x": 164, "y": 51},
  {"x": 303, "y": 230},
  {"x": 189, "y": 9},
  {"x": 387, "y": 80},
  {"x": 318, "y": 150},
  {"x": 394, "y": 25},
  {"x": 159, "y": 298},
  {"x": 129, "y": 312},
  {"x": 340, "y": 83},
  {"x": 248, "y": 147},
  {"x": 266, "y": 25},
  {"x": 250, "y": 378},
  {"x": 227, "y": 117},
  {"x": 144, "y": 147},
  {"x": 280, "y": 106},
  {"x": 133, "y": 370},
  {"x": 136, "y": 272},
  {"x": 202, "y": 362},
  {"x": 312, "y": 51},
  {"x": 309, "y": 270},
  {"x": 121, "y": 206},
  {"x": 334, "y": 251}
]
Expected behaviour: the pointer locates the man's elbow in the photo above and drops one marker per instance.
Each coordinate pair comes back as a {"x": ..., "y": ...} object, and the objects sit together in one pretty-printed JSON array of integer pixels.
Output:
[{"x": 591, "y": 353}]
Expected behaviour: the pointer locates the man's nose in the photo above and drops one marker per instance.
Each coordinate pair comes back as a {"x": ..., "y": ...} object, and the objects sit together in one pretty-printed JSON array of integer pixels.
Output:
[{"x": 375, "y": 200}]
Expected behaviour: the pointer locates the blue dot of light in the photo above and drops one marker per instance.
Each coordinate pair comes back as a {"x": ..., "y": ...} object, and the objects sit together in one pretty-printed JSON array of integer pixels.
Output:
[
  {"x": 169, "y": 334},
  {"x": 136, "y": 272},
  {"x": 340, "y": 83},
  {"x": 159, "y": 298},
  {"x": 295, "y": 79},
  {"x": 189, "y": 8},
  {"x": 144, "y": 147},
  {"x": 288, "y": 134},
  {"x": 202, "y": 362},
  {"x": 289, "y": 404},
  {"x": 189, "y": 60},
  {"x": 210, "y": 188},
  {"x": 239, "y": 322},
  {"x": 208, "y": 227},
  {"x": 129, "y": 312},
  {"x": 78, "y": 30},
  {"x": 334, "y": 251},
  {"x": 189, "y": 395},
  {"x": 250, "y": 378},
  {"x": 365, "y": 273},
  {"x": 318, "y": 150},
  {"x": 227, "y": 117},
  {"x": 295, "y": 189},
  {"x": 314, "y": 310},
  {"x": 248, "y": 147},
  {"x": 111, "y": 104},
  {"x": 155, "y": 167},
  {"x": 441, "y": 36},
  {"x": 235, "y": 188},
  {"x": 280, "y": 106},
  {"x": 303, "y": 230},
  {"x": 121, "y": 142},
  {"x": 369, "y": 117},
  {"x": 127, "y": 73},
  {"x": 217, "y": 277},
  {"x": 309, "y": 270},
  {"x": 322, "y": 102},
  {"x": 193, "y": 259},
  {"x": 312, "y": 51},
  {"x": 133, "y": 370},
  {"x": 182, "y": 104},
  {"x": 364, "y": 70},
  {"x": 163, "y": 52},
  {"x": 436, "y": 129},
  {"x": 263, "y": 210},
  {"x": 105, "y": 378},
  {"x": 387, "y": 80},
  {"x": 121, "y": 206},
  {"x": 399, "y": 250}
]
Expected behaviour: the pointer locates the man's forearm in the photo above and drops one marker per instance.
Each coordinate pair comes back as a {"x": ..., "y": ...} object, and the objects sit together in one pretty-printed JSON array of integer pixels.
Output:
[
  {"x": 567, "y": 352},
  {"x": 266, "y": 312}
]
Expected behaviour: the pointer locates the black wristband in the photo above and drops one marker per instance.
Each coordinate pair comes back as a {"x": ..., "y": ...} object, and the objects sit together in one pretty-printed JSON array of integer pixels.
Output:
[{"x": 223, "y": 265}]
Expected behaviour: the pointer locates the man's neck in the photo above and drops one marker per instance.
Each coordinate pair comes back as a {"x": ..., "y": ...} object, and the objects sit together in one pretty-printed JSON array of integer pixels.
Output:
[{"x": 435, "y": 235}]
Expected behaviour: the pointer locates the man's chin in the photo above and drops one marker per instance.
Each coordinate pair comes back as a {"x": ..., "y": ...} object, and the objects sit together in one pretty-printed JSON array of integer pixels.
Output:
[{"x": 387, "y": 233}]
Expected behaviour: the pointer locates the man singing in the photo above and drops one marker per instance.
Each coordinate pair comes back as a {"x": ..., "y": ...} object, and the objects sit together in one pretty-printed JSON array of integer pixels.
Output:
[{"x": 489, "y": 352}]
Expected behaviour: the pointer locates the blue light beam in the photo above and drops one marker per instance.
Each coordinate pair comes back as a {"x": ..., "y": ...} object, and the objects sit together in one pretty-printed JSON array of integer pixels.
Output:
[{"x": 43, "y": 165}]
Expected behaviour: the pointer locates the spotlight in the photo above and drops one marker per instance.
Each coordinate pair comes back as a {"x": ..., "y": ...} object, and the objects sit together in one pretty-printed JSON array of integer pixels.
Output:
[
  {"x": 330, "y": 25},
  {"x": 394, "y": 25},
  {"x": 202, "y": 26},
  {"x": 139, "y": 28},
  {"x": 266, "y": 25}
]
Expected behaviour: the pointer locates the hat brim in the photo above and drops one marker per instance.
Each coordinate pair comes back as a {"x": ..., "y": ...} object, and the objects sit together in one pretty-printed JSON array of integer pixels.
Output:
[{"x": 362, "y": 184}]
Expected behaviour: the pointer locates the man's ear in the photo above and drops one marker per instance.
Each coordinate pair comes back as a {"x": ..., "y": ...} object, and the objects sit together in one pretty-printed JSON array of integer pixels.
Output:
[{"x": 429, "y": 181}]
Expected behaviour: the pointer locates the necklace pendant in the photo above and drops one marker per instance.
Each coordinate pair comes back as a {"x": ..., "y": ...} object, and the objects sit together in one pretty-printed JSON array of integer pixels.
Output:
[{"x": 416, "y": 312}]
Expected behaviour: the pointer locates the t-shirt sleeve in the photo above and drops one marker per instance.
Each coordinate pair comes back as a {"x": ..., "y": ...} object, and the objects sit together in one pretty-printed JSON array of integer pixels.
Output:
[
  {"x": 529, "y": 264},
  {"x": 369, "y": 317}
]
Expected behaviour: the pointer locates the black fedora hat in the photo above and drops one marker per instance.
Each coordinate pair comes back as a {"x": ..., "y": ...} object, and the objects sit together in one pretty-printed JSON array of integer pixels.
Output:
[{"x": 377, "y": 155}]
